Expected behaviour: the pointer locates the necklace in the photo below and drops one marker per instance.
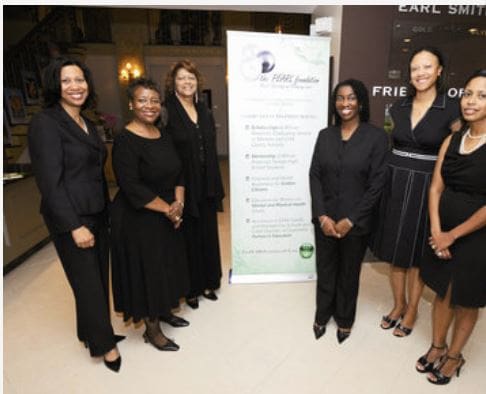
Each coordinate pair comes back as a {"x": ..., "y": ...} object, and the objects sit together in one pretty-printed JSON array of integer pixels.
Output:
[
  {"x": 481, "y": 141},
  {"x": 81, "y": 123},
  {"x": 475, "y": 137}
]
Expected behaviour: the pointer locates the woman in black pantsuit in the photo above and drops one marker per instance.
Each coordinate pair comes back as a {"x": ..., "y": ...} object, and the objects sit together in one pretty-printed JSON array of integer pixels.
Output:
[
  {"x": 346, "y": 178},
  {"x": 455, "y": 264},
  {"x": 68, "y": 160},
  {"x": 191, "y": 126}
]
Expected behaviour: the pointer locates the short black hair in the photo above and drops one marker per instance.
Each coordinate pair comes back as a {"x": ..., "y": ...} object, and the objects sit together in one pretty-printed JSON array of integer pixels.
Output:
[
  {"x": 440, "y": 84},
  {"x": 51, "y": 82},
  {"x": 478, "y": 73},
  {"x": 361, "y": 93},
  {"x": 141, "y": 82}
]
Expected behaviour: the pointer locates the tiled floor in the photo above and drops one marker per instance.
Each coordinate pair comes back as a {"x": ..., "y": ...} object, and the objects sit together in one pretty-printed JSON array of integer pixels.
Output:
[{"x": 254, "y": 339}]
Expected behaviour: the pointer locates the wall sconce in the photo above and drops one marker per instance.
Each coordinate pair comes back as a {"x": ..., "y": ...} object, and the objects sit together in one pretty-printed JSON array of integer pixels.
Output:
[{"x": 129, "y": 72}]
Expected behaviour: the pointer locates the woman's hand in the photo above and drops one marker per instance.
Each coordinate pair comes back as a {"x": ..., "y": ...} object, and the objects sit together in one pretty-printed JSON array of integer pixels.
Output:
[
  {"x": 343, "y": 227},
  {"x": 176, "y": 209},
  {"x": 328, "y": 226},
  {"x": 174, "y": 214},
  {"x": 440, "y": 242},
  {"x": 83, "y": 238}
]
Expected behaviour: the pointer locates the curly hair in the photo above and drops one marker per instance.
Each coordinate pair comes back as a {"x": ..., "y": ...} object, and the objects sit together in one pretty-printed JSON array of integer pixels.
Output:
[
  {"x": 51, "y": 82},
  {"x": 440, "y": 84},
  {"x": 141, "y": 82},
  {"x": 361, "y": 93},
  {"x": 171, "y": 75}
]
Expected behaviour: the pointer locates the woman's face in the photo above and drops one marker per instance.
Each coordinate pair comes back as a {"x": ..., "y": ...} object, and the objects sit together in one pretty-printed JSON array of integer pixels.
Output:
[
  {"x": 347, "y": 105},
  {"x": 185, "y": 83},
  {"x": 424, "y": 71},
  {"x": 473, "y": 102},
  {"x": 74, "y": 88},
  {"x": 146, "y": 105}
]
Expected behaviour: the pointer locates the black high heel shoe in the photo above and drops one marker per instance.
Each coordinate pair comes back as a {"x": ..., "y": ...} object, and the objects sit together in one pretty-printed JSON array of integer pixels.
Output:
[
  {"x": 210, "y": 295},
  {"x": 169, "y": 345},
  {"x": 175, "y": 321},
  {"x": 439, "y": 377},
  {"x": 342, "y": 335},
  {"x": 113, "y": 365},
  {"x": 319, "y": 330},
  {"x": 423, "y": 365},
  {"x": 192, "y": 302},
  {"x": 389, "y": 321}
]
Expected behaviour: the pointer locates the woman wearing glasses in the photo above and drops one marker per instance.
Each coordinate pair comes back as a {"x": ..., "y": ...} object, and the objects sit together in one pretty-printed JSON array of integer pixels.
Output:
[
  {"x": 148, "y": 257},
  {"x": 191, "y": 125}
]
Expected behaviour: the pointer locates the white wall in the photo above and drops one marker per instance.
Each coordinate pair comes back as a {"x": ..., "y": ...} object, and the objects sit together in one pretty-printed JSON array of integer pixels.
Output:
[{"x": 336, "y": 13}]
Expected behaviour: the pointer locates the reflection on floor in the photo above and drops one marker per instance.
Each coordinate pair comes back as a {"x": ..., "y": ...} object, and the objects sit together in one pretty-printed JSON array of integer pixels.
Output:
[{"x": 254, "y": 339}]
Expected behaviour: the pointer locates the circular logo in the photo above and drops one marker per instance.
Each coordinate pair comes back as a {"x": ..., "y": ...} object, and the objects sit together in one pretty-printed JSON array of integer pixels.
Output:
[
  {"x": 267, "y": 61},
  {"x": 306, "y": 250}
]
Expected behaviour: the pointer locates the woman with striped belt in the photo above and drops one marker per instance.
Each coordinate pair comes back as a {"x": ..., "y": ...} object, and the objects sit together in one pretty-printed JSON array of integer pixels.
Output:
[{"x": 421, "y": 121}]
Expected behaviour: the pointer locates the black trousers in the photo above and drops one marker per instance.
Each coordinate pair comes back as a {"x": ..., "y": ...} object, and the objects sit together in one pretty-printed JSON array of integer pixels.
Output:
[
  {"x": 87, "y": 271},
  {"x": 338, "y": 269},
  {"x": 202, "y": 246}
]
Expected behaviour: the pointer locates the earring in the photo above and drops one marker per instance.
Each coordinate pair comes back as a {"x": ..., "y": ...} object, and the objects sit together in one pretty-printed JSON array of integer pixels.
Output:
[{"x": 130, "y": 107}]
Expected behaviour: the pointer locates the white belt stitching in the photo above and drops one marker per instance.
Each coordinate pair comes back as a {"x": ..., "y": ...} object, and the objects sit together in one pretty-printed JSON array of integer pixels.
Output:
[{"x": 412, "y": 155}]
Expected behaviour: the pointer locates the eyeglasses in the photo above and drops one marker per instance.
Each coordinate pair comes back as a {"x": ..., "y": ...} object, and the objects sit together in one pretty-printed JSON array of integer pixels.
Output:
[{"x": 145, "y": 101}]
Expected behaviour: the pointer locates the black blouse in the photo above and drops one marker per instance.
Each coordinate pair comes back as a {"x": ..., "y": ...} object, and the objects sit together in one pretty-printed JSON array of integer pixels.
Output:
[
  {"x": 146, "y": 168},
  {"x": 196, "y": 146},
  {"x": 430, "y": 131},
  {"x": 346, "y": 179}
]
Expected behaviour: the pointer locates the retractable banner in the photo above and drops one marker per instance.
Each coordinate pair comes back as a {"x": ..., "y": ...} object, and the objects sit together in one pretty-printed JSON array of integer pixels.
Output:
[{"x": 278, "y": 101}]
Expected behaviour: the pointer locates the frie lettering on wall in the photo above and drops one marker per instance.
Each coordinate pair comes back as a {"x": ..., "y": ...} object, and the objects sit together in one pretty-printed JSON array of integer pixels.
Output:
[{"x": 401, "y": 91}]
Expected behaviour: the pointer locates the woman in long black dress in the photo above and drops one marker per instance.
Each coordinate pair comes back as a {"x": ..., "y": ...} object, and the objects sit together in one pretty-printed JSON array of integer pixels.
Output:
[
  {"x": 192, "y": 128},
  {"x": 148, "y": 257},
  {"x": 421, "y": 122},
  {"x": 68, "y": 159},
  {"x": 346, "y": 180},
  {"x": 455, "y": 266}
]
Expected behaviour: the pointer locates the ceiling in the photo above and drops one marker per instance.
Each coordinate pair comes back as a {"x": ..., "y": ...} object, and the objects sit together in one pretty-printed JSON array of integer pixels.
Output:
[{"x": 297, "y": 9}]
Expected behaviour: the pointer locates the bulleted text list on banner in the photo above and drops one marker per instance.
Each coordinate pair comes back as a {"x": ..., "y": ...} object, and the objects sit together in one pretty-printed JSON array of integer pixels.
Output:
[{"x": 278, "y": 101}]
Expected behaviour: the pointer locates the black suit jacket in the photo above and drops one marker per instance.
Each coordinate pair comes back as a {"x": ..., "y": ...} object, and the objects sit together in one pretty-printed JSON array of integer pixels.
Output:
[
  {"x": 346, "y": 179},
  {"x": 68, "y": 166},
  {"x": 199, "y": 182}
]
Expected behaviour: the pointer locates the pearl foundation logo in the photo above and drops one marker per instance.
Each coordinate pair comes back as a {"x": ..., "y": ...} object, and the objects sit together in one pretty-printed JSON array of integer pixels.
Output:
[{"x": 256, "y": 62}]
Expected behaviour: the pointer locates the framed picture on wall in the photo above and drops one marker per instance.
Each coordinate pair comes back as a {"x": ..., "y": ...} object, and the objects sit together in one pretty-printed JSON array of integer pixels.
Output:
[
  {"x": 14, "y": 104},
  {"x": 206, "y": 96},
  {"x": 7, "y": 132},
  {"x": 31, "y": 87}
]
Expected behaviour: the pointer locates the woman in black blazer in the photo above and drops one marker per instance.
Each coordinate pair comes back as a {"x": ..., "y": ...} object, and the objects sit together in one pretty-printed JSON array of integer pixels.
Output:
[
  {"x": 191, "y": 126},
  {"x": 346, "y": 179},
  {"x": 68, "y": 161}
]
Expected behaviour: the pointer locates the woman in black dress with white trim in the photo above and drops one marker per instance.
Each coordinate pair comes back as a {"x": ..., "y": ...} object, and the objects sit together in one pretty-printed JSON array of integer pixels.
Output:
[{"x": 421, "y": 122}]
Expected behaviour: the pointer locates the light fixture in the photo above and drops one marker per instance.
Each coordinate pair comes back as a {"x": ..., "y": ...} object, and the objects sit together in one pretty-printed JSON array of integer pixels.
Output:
[
  {"x": 129, "y": 72},
  {"x": 407, "y": 40},
  {"x": 473, "y": 30}
]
